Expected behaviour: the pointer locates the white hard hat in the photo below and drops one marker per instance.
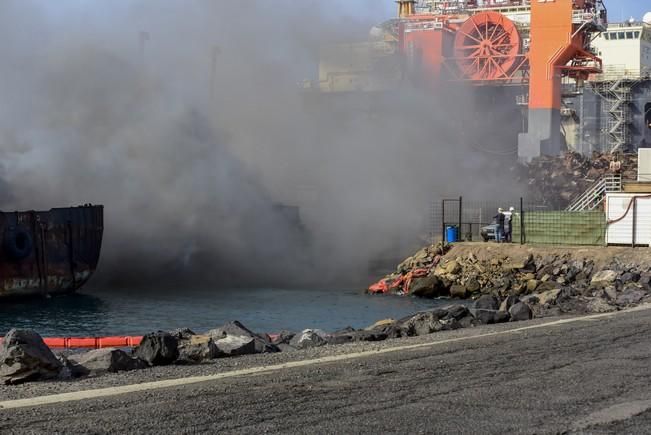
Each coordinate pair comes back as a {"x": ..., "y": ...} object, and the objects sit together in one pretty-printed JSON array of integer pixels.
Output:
[{"x": 511, "y": 209}]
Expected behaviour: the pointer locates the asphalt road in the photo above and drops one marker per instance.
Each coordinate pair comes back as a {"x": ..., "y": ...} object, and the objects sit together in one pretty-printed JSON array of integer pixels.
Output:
[{"x": 589, "y": 376}]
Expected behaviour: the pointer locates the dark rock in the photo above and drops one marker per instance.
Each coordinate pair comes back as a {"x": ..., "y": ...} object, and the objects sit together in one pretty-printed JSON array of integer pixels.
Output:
[
  {"x": 25, "y": 357},
  {"x": 285, "y": 347},
  {"x": 423, "y": 323},
  {"x": 101, "y": 361},
  {"x": 354, "y": 336},
  {"x": 182, "y": 333},
  {"x": 427, "y": 287},
  {"x": 487, "y": 302},
  {"x": 262, "y": 344},
  {"x": 501, "y": 317},
  {"x": 520, "y": 312},
  {"x": 645, "y": 281},
  {"x": 283, "y": 338},
  {"x": 307, "y": 339},
  {"x": 447, "y": 325},
  {"x": 235, "y": 345},
  {"x": 468, "y": 322},
  {"x": 456, "y": 312},
  {"x": 630, "y": 297},
  {"x": 158, "y": 348},
  {"x": 508, "y": 303},
  {"x": 628, "y": 277},
  {"x": 485, "y": 309},
  {"x": 458, "y": 291},
  {"x": 398, "y": 330}
]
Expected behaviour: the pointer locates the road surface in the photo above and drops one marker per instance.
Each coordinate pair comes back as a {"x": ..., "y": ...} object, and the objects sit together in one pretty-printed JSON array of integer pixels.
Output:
[{"x": 586, "y": 376}]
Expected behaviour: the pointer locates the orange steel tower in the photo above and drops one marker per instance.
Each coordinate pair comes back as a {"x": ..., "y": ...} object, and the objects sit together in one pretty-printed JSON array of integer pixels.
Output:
[{"x": 558, "y": 48}]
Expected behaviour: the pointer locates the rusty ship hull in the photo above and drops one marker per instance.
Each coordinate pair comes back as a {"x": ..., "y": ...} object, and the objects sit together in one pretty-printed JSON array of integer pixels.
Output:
[{"x": 51, "y": 252}]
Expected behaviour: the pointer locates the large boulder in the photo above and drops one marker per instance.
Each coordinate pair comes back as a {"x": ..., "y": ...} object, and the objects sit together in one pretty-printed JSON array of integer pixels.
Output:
[
  {"x": 235, "y": 328},
  {"x": 100, "y": 361},
  {"x": 486, "y": 310},
  {"x": 307, "y": 339},
  {"x": 424, "y": 322},
  {"x": 549, "y": 297},
  {"x": 235, "y": 345},
  {"x": 604, "y": 278},
  {"x": 25, "y": 357},
  {"x": 456, "y": 312},
  {"x": 645, "y": 281},
  {"x": 196, "y": 348},
  {"x": 520, "y": 312},
  {"x": 630, "y": 297},
  {"x": 158, "y": 349},
  {"x": 508, "y": 302},
  {"x": 427, "y": 287}
]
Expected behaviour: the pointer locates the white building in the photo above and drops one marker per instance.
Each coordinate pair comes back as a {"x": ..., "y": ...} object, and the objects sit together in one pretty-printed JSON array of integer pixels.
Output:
[{"x": 625, "y": 49}]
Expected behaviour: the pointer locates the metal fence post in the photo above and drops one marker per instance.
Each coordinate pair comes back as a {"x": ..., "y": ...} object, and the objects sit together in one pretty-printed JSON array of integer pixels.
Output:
[
  {"x": 633, "y": 241},
  {"x": 522, "y": 237},
  {"x": 460, "y": 230},
  {"x": 443, "y": 220}
]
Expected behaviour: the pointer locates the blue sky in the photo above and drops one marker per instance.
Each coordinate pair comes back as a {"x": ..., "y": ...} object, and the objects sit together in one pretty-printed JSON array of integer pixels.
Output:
[
  {"x": 373, "y": 10},
  {"x": 618, "y": 9}
]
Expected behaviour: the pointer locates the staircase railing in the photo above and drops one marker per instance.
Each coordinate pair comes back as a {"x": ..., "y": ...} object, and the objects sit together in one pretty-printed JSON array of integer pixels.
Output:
[{"x": 595, "y": 195}]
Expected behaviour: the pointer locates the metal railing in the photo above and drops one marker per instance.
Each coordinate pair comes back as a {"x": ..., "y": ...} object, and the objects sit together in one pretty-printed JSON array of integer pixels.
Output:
[{"x": 595, "y": 195}]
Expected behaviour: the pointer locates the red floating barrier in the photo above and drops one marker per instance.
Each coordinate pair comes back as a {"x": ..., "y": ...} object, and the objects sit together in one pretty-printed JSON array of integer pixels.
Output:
[{"x": 90, "y": 342}]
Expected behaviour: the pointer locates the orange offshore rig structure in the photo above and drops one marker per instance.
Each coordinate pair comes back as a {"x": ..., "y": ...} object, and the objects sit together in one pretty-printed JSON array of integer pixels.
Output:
[{"x": 540, "y": 44}]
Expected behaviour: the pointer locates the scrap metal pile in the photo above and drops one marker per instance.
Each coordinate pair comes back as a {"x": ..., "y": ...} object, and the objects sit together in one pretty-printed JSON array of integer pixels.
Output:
[
  {"x": 415, "y": 268},
  {"x": 556, "y": 181}
]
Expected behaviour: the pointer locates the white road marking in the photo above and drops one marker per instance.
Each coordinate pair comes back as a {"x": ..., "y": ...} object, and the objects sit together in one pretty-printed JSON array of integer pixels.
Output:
[{"x": 157, "y": 385}]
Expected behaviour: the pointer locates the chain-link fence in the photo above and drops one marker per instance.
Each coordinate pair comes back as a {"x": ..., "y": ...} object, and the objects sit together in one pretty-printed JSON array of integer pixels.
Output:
[{"x": 518, "y": 222}]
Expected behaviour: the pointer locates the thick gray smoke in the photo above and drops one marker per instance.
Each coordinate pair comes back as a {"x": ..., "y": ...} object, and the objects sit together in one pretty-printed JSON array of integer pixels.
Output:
[{"x": 185, "y": 118}]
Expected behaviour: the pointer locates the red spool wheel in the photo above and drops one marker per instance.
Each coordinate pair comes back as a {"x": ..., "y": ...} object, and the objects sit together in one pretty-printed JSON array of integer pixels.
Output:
[{"x": 487, "y": 46}]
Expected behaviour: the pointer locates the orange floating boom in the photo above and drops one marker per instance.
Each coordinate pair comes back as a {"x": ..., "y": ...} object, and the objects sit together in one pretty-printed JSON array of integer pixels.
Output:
[{"x": 90, "y": 342}]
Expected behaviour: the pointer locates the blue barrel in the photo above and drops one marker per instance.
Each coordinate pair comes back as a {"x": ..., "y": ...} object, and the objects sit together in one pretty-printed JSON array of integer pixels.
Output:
[{"x": 451, "y": 234}]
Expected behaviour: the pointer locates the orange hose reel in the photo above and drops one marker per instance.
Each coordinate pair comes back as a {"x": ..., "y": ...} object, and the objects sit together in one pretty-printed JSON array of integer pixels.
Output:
[{"x": 487, "y": 46}]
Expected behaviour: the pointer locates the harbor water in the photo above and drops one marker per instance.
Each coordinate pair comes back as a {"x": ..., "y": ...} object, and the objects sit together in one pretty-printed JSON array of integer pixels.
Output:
[{"x": 102, "y": 313}]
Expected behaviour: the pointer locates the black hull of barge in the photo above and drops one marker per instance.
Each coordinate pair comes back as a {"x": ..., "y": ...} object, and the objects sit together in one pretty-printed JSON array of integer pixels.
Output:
[{"x": 49, "y": 252}]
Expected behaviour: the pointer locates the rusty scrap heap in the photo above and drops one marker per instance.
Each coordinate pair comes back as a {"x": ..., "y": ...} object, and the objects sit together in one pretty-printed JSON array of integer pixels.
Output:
[{"x": 556, "y": 181}]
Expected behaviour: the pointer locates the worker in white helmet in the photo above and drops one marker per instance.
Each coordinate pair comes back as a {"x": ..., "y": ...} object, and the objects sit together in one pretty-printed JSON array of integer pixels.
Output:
[{"x": 508, "y": 225}]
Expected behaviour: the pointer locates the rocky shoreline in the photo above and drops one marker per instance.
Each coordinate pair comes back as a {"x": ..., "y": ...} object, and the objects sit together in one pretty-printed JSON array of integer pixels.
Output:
[
  {"x": 551, "y": 280},
  {"x": 494, "y": 284}
]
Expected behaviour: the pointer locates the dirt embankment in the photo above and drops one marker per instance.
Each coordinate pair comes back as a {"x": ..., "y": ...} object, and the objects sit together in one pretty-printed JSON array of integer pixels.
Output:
[{"x": 601, "y": 256}]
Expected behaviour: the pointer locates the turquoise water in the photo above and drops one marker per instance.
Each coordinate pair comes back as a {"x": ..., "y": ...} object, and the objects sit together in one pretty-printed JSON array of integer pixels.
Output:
[{"x": 265, "y": 310}]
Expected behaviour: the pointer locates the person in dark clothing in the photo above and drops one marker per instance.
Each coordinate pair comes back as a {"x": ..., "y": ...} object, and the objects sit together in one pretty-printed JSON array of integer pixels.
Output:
[{"x": 499, "y": 220}]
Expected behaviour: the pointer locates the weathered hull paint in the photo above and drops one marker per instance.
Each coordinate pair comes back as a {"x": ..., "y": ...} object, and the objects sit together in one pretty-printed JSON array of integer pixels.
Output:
[{"x": 65, "y": 247}]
